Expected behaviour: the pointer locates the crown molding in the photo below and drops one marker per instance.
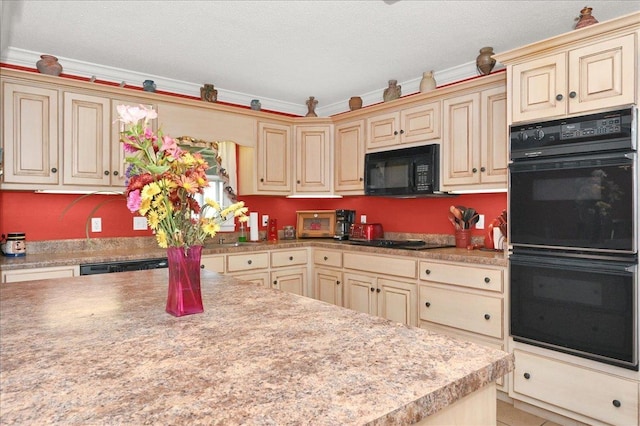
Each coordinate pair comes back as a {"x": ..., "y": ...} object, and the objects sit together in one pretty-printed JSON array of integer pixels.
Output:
[{"x": 72, "y": 66}]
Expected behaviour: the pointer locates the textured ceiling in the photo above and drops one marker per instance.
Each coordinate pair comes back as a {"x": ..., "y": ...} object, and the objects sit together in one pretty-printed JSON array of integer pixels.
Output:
[{"x": 282, "y": 52}]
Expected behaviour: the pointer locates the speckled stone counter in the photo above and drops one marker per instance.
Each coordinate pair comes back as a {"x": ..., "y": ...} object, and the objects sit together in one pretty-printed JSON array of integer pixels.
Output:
[
  {"x": 100, "y": 349},
  {"x": 76, "y": 252}
]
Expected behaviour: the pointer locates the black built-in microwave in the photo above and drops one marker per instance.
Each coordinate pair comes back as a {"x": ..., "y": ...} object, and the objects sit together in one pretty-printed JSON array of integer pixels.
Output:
[{"x": 405, "y": 172}]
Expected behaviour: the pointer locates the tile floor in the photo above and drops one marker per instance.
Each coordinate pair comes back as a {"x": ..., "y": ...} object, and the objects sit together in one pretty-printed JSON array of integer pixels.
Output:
[{"x": 510, "y": 416}]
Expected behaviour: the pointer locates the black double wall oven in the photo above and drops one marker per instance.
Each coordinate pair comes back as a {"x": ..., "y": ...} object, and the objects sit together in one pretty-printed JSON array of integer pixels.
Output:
[{"x": 573, "y": 227}]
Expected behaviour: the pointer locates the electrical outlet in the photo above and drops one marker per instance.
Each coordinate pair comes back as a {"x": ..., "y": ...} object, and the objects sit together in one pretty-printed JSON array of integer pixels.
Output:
[
  {"x": 265, "y": 220},
  {"x": 139, "y": 223},
  {"x": 363, "y": 218},
  {"x": 480, "y": 222},
  {"x": 96, "y": 224}
]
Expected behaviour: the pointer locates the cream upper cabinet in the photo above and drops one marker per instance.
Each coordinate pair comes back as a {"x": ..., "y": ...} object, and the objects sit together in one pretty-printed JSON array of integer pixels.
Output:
[
  {"x": 118, "y": 165},
  {"x": 349, "y": 158},
  {"x": 569, "y": 74},
  {"x": 30, "y": 136},
  {"x": 313, "y": 159},
  {"x": 474, "y": 143},
  {"x": 267, "y": 169},
  {"x": 206, "y": 123},
  {"x": 409, "y": 125},
  {"x": 86, "y": 140}
]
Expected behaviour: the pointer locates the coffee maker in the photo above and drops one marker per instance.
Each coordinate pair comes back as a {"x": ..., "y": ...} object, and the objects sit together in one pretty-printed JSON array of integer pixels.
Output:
[{"x": 344, "y": 219}]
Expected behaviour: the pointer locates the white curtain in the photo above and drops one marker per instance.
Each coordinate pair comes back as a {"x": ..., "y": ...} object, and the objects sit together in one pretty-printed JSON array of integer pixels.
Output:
[{"x": 227, "y": 153}]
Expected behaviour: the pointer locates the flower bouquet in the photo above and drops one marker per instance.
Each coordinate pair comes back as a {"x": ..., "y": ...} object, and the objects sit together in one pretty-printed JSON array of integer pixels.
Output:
[{"x": 163, "y": 181}]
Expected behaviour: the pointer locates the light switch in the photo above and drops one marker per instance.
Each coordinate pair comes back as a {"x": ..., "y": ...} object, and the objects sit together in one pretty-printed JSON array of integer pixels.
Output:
[
  {"x": 96, "y": 224},
  {"x": 265, "y": 220},
  {"x": 480, "y": 222},
  {"x": 363, "y": 218}
]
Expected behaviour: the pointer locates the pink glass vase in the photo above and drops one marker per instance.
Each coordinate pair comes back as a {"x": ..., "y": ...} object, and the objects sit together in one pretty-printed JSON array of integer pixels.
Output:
[{"x": 184, "y": 296}]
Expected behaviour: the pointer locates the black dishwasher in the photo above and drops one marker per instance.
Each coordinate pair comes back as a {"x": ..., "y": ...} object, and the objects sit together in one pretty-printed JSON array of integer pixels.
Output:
[{"x": 123, "y": 266}]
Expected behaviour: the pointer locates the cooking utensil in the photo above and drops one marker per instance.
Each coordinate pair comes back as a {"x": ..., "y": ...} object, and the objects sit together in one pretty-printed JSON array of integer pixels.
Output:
[{"x": 454, "y": 221}]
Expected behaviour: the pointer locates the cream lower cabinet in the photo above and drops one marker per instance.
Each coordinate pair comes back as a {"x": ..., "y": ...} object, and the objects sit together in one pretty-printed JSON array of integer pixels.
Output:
[
  {"x": 29, "y": 136},
  {"x": 213, "y": 263},
  {"x": 328, "y": 282},
  {"x": 381, "y": 285},
  {"x": 464, "y": 301},
  {"x": 287, "y": 271},
  {"x": 579, "y": 392},
  {"x": 20, "y": 275},
  {"x": 252, "y": 267}
]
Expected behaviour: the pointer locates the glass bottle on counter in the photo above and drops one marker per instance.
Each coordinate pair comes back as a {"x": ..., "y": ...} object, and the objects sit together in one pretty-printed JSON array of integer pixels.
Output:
[{"x": 242, "y": 238}]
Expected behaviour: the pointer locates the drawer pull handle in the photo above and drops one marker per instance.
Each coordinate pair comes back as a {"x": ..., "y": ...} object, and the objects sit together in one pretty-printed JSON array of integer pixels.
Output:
[
  {"x": 527, "y": 376},
  {"x": 106, "y": 172},
  {"x": 395, "y": 133},
  {"x": 487, "y": 317},
  {"x": 249, "y": 261},
  {"x": 559, "y": 97},
  {"x": 487, "y": 280},
  {"x": 616, "y": 403},
  {"x": 54, "y": 170},
  {"x": 428, "y": 271},
  {"x": 428, "y": 304},
  {"x": 377, "y": 290},
  {"x": 483, "y": 169},
  {"x": 201, "y": 266},
  {"x": 373, "y": 289},
  {"x": 337, "y": 282},
  {"x": 115, "y": 173},
  {"x": 572, "y": 94},
  {"x": 290, "y": 257},
  {"x": 474, "y": 170},
  {"x": 275, "y": 282},
  {"x": 326, "y": 258}
]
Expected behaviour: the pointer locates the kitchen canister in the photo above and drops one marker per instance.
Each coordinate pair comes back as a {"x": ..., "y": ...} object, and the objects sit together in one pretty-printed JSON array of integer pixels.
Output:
[{"x": 15, "y": 245}]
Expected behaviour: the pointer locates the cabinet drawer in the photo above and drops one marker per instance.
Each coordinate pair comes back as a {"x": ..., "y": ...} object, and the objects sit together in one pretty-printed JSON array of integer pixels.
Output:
[
  {"x": 288, "y": 258},
  {"x": 588, "y": 392},
  {"x": 327, "y": 258},
  {"x": 466, "y": 276},
  {"x": 247, "y": 262},
  {"x": 380, "y": 264},
  {"x": 20, "y": 275},
  {"x": 466, "y": 311}
]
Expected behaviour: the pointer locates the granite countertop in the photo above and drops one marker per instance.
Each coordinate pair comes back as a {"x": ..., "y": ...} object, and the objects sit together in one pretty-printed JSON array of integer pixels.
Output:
[
  {"x": 100, "y": 349},
  {"x": 76, "y": 252}
]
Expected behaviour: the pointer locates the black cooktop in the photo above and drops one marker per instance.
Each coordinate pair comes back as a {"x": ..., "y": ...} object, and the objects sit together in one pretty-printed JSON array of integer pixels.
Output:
[{"x": 400, "y": 244}]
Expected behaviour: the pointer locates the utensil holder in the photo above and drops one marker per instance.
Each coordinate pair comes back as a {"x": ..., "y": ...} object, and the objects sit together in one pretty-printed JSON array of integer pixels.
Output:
[{"x": 463, "y": 238}]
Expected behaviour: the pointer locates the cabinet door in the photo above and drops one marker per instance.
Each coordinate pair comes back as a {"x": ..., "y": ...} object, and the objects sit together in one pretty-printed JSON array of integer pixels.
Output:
[
  {"x": 539, "y": 88},
  {"x": 420, "y": 123},
  {"x": 360, "y": 293},
  {"x": 328, "y": 286},
  {"x": 86, "y": 140},
  {"x": 118, "y": 165},
  {"x": 382, "y": 130},
  {"x": 30, "y": 134},
  {"x": 601, "y": 75},
  {"x": 397, "y": 301},
  {"x": 349, "y": 158},
  {"x": 290, "y": 280},
  {"x": 461, "y": 140},
  {"x": 313, "y": 159},
  {"x": 494, "y": 137},
  {"x": 213, "y": 263},
  {"x": 274, "y": 158}
]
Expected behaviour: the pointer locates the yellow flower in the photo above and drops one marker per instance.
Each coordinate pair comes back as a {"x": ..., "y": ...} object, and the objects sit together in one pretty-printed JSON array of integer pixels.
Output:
[
  {"x": 153, "y": 219},
  {"x": 161, "y": 238},
  {"x": 212, "y": 203},
  {"x": 150, "y": 190},
  {"x": 145, "y": 205},
  {"x": 211, "y": 228}
]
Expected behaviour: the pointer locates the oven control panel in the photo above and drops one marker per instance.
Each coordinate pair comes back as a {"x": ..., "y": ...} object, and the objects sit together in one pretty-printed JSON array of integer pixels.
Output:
[{"x": 605, "y": 131}]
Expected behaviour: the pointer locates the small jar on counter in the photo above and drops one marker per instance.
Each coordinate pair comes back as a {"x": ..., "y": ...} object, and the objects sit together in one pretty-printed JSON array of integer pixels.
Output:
[
  {"x": 289, "y": 233},
  {"x": 15, "y": 244}
]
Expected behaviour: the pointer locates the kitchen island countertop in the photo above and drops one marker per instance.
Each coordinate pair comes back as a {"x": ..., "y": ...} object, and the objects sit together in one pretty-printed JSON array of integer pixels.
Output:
[{"x": 100, "y": 349}]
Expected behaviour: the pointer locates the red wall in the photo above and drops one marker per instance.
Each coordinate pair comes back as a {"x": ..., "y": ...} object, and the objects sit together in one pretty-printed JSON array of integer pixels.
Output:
[{"x": 55, "y": 216}]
